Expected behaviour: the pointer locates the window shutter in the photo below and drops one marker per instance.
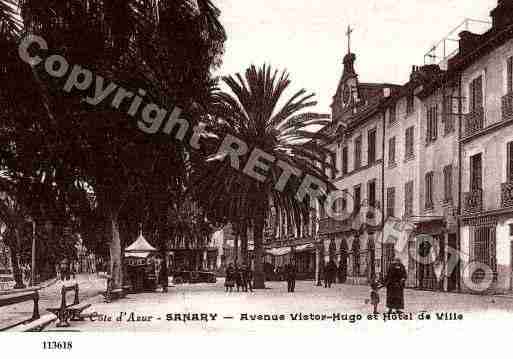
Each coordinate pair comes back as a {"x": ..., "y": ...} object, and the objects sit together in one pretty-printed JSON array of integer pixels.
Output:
[
  {"x": 510, "y": 161},
  {"x": 478, "y": 89},
  {"x": 510, "y": 75},
  {"x": 428, "y": 129}
]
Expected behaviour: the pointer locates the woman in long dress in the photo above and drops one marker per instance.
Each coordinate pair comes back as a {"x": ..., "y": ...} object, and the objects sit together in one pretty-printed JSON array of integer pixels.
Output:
[{"x": 395, "y": 281}]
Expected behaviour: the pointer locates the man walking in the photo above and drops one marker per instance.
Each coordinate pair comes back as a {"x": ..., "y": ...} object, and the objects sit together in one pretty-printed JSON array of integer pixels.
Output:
[
  {"x": 290, "y": 274},
  {"x": 248, "y": 278},
  {"x": 331, "y": 273}
]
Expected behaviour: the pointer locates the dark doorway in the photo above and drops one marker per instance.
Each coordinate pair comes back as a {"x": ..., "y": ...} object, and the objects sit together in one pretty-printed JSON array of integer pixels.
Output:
[
  {"x": 426, "y": 273},
  {"x": 453, "y": 277}
]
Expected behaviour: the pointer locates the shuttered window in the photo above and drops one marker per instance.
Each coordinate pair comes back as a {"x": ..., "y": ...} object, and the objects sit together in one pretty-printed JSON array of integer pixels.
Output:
[
  {"x": 509, "y": 155},
  {"x": 372, "y": 146},
  {"x": 476, "y": 94},
  {"x": 391, "y": 202},
  {"x": 391, "y": 152},
  {"x": 408, "y": 143},
  {"x": 510, "y": 75},
  {"x": 344, "y": 161},
  {"x": 448, "y": 117},
  {"x": 448, "y": 183},
  {"x": 371, "y": 193},
  {"x": 358, "y": 153},
  {"x": 476, "y": 172},
  {"x": 429, "y": 190},
  {"x": 432, "y": 124},
  {"x": 408, "y": 199}
]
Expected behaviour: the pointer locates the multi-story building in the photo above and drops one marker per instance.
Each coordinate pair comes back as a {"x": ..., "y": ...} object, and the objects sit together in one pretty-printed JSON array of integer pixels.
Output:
[
  {"x": 422, "y": 148},
  {"x": 356, "y": 140},
  {"x": 436, "y": 156},
  {"x": 483, "y": 69}
]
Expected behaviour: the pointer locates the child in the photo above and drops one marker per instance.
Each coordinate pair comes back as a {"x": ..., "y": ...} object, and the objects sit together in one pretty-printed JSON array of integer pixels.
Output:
[{"x": 374, "y": 296}]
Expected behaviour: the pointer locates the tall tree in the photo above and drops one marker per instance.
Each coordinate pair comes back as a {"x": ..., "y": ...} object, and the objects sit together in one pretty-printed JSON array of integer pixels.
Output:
[
  {"x": 251, "y": 113},
  {"x": 166, "y": 48}
]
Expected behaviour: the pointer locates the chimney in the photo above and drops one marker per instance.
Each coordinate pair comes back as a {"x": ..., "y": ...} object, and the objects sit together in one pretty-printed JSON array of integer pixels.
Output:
[
  {"x": 468, "y": 41},
  {"x": 502, "y": 15}
]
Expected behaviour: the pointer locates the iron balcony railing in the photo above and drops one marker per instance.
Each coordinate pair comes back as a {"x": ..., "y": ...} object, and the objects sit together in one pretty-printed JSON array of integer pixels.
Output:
[
  {"x": 474, "y": 122},
  {"x": 507, "y": 194},
  {"x": 473, "y": 201}
]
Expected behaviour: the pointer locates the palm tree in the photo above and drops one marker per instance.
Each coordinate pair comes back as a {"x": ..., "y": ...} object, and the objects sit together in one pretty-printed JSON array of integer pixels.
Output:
[
  {"x": 252, "y": 114},
  {"x": 10, "y": 23}
]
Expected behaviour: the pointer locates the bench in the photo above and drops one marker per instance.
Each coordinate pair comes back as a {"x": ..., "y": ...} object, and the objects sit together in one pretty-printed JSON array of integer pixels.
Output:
[
  {"x": 69, "y": 312},
  {"x": 34, "y": 324}
]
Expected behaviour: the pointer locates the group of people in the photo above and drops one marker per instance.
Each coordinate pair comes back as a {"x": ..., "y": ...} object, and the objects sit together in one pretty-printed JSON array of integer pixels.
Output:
[
  {"x": 330, "y": 274},
  {"x": 394, "y": 281},
  {"x": 239, "y": 277}
]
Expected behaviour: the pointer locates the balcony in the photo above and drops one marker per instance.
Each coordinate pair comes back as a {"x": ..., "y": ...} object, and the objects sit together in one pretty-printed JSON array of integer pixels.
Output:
[
  {"x": 507, "y": 194},
  {"x": 507, "y": 107},
  {"x": 474, "y": 122},
  {"x": 330, "y": 225},
  {"x": 473, "y": 201}
]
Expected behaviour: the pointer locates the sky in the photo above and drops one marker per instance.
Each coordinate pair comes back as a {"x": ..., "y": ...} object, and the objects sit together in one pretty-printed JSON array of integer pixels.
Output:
[{"x": 307, "y": 37}]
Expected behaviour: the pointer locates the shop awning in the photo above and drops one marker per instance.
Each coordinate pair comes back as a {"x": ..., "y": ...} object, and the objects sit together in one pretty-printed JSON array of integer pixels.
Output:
[
  {"x": 305, "y": 247},
  {"x": 278, "y": 251}
]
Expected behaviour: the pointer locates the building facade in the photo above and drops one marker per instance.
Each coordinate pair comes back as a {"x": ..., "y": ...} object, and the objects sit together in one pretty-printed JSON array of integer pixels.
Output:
[
  {"x": 484, "y": 68},
  {"x": 434, "y": 158}
]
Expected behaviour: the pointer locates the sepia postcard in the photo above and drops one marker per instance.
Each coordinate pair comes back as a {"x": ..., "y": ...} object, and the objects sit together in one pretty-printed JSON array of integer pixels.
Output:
[{"x": 337, "y": 172}]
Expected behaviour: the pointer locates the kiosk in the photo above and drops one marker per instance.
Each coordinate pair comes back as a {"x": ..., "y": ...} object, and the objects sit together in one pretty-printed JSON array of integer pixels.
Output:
[{"x": 141, "y": 266}]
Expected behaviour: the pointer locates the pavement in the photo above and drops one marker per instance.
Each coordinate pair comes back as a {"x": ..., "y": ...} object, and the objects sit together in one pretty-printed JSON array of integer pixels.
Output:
[
  {"x": 90, "y": 286},
  {"x": 209, "y": 310}
]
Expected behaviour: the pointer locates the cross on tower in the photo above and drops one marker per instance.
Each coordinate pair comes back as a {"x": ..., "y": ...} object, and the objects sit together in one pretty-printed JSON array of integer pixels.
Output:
[{"x": 348, "y": 34}]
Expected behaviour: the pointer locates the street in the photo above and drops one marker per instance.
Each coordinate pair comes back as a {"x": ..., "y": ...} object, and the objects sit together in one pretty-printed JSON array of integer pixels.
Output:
[{"x": 208, "y": 309}]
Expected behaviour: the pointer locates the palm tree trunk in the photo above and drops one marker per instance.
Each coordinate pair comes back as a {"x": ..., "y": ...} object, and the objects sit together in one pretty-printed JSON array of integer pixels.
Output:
[
  {"x": 116, "y": 267},
  {"x": 244, "y": 242},
  {"x": 259, "y": 279},
  {"x": 236, "y": 246}
]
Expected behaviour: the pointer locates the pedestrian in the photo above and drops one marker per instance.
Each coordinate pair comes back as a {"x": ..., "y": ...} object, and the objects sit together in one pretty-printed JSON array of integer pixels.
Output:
[
  {"x": 331, "y": 273},
  {"x": 395, "y": 281},
  {"x": 229, "y": 280},
  {"x": 374, "y": 296},
  {"x": 248, "y": 278},
  {"x": 237, "y": 272},
  {"x": 290, "y": 276},
  {"x": 342, "y": 272}
]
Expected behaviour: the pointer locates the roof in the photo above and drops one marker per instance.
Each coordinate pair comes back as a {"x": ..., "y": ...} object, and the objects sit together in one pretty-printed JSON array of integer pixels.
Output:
[{"x": 140, "y": 245}]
